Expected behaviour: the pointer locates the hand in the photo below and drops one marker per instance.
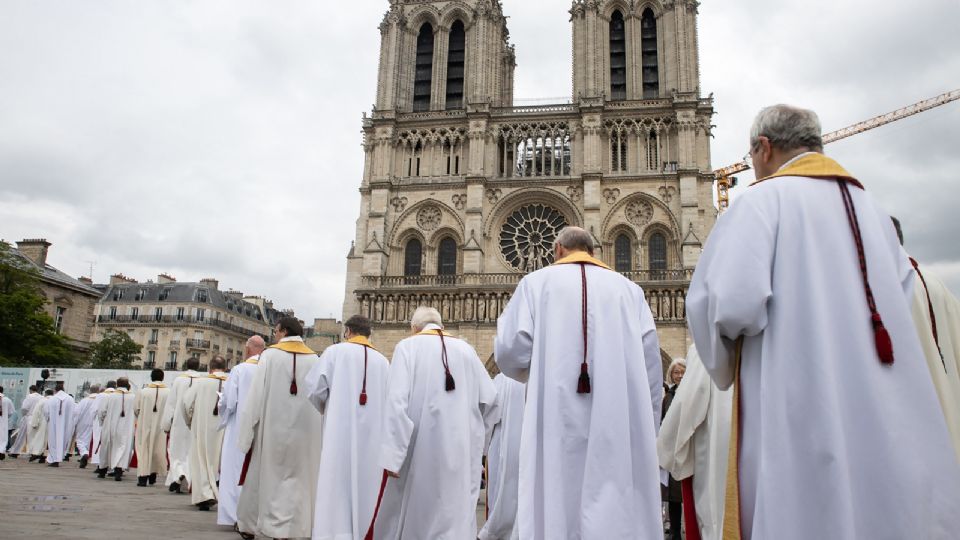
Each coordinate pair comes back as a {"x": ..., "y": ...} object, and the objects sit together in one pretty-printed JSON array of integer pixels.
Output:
[{"x": 392, "y": 474}]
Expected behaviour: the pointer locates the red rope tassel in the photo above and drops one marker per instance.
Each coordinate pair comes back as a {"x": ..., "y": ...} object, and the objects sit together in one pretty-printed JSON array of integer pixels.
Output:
[
  {"x": 122, "y": 412},
  {"x": 293, "y": 382},
  {"x": 689, "y": 509},
  {"x": 583, "y": 383},
  {"x": 882, "y": 341},
  {"x": 449, "y": 384},
  {"x": 363, "y": 391},
  {"x": 156, "y": 399}
]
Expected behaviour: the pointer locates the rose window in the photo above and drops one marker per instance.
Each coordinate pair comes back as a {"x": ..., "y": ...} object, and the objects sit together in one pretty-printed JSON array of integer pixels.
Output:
[
  {"x": 428, "y": 218},
  {"x": 526, "y": 237}
]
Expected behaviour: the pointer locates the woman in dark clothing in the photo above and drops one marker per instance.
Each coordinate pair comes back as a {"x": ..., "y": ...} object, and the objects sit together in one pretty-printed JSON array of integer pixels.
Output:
[{"x": 671, "y": 492}]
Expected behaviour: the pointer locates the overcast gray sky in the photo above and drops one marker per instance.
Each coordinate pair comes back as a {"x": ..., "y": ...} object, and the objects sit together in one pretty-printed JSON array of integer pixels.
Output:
[{"x": 222, "y": 138}]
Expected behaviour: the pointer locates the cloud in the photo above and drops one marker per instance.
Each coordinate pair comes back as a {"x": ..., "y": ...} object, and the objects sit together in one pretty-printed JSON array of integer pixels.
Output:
[{"x": 222, "y": 138}]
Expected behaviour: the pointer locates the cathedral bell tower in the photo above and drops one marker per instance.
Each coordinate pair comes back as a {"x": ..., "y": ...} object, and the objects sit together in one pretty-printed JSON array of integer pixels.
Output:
[{"x": 463, "y": 192}]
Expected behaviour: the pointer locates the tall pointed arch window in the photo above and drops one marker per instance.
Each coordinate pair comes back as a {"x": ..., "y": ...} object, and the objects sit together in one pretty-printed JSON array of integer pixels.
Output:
[
  {"x": 423, "y": 78},
  {"x": 412, "y": 257},
  {"x": 622, "y": 253},
  {"x": 658, "y": 251},
  {"x": 618, "y": 57},
  {"x": 648, "y": 55},
  {"x": 447, "y": 257},
  {"x": 455, "y": 62}
]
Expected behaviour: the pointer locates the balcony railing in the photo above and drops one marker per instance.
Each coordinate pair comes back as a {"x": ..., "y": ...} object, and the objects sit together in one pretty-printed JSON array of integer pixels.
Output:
[
  {"x": 480, "y": 298},
  {"x": 198, "y": 343},
  {"x": 173, "y": 320},
  {"x": 149, "y": 365},
  {"x": 174, "y": 343},
  {"x": 170, "y": 366},
  {"x": 152, "y": 342}
]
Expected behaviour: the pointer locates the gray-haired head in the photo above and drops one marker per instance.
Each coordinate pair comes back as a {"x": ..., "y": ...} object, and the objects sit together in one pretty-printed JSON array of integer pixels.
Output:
[
  {"x": 574, "y": 239},
  {"x": 94, "y": 388},
  {"x": 787, "y": 128},
  {"x": 423, "y": 316}
]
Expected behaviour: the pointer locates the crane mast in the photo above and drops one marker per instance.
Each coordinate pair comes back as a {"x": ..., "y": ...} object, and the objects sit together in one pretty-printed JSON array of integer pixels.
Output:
[{"x": 724, "y": 176}]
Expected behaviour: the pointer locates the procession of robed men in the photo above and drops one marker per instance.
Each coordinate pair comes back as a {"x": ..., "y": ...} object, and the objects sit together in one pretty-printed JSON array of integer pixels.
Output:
[{"x": 820, "y": 398}]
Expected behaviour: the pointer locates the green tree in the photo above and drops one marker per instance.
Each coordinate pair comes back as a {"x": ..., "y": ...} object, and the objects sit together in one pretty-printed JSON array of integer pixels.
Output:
[
  {"x": 28, "y": 336},
  {"x": 115, "y": 351}
]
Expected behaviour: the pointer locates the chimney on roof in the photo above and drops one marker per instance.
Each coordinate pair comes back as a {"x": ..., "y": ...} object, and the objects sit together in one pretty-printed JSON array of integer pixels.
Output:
[
  {"x": 120, "y": 279},
  {"x": 85, "y": 280},
  {"x": 166, "y": 278},
  {"x": 34, "y": 249},
  {"x": 210, "y": 282}
]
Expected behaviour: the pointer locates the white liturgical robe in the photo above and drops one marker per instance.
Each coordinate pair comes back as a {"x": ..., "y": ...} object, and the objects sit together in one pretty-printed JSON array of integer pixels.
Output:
[
  {"x": 6, "y": 412},
  {"x": 150, "y": 440},
  {"x": 942, "y": 351},
  {"x": 116, "y": 435},
  {"x": 178, "y": 448},
  {"x": 434, "y": 439},
  {"x": 503, "y": 462},
  {"x": 285, "y": 433},
  {"x": 101, "y": 405},
  {"x": 37, "y": 434},
  {"x": 833, "y": 442},
  {"x": 201, "y": 410},
  {"x": 588, "y": 461},
  {"x": 59, "y": 411},
  {"x": 19, "y": 445},
  {"x": 349, "y": 479},
  {"x": 84, "y": 418},
  {"x": 231, "y": 458},
  {"x": 694, "y": 441}
]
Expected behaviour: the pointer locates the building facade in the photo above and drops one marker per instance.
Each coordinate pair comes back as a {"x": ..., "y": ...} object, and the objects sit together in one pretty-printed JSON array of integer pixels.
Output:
[
  {"x": 463, "y": 192},
  {"x": 70, "y": 301},
  {"x": 174, "y": 321},
  {"x": 322, "y": 334}
]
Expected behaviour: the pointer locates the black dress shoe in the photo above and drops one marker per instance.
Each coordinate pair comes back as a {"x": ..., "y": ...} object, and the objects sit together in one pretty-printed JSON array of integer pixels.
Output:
[
  {"x": 66, "y": 457},
  {"x": 153, "y": 478},
  {"x": 2, "y": 456},
  {"x": 32, "y": 459},
  {"x": 110, "y": 473},
  {"x": 141, "y": 481},
  {"x": 174, "y": 487},
  {"x": 54, "y": 464},
  {"x": 83, "y": 461},
  {"x": 204, "y": 506},
  {"x": 101, "y": 473},
  {"x": 117, "y": 474}
]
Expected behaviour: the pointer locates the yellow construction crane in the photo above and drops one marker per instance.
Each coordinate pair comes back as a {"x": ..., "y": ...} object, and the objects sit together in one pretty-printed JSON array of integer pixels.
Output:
[{"x": 724, "y": 176}]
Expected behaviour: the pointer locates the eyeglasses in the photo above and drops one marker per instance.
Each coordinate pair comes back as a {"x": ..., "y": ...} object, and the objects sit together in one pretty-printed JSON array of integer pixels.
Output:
[{"x": 748, "y": 159}]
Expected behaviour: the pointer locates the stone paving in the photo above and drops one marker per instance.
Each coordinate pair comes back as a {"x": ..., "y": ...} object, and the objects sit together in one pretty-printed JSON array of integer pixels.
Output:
[{"x": 68, "y": 503}]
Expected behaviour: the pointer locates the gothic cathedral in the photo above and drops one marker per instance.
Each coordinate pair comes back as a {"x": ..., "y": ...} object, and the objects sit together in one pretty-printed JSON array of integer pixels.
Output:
[{"x": 463, "y": 192}]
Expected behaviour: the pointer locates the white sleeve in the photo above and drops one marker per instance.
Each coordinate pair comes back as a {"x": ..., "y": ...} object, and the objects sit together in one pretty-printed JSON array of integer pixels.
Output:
[{"x": 513, "y": 344}]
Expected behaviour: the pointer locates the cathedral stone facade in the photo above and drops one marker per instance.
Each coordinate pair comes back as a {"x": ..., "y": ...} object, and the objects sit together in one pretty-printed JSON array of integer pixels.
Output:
[{"x": 463, "y": 192}]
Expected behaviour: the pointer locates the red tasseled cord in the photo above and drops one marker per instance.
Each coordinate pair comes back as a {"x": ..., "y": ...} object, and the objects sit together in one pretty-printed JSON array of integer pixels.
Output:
[
  {"x": 293, "y": 383},
  {"x": 363, "y": 391},
  {"x": 450, "y": 384},
  {"x": 59, "y": 413},
  {"x": 216, "y": 406},
  {"x": 882, "y": 341},
  {"x": 156, "y": 399},
  {"x": 583, "y": 383},
  {"x": 933, "y": 316},
  {"x": 122, "y": 413}
]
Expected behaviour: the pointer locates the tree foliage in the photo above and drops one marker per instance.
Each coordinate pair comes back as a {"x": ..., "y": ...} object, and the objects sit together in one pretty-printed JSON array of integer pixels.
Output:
[
  {"x": 28, "y": 336},
  {"x": 115, "y": 351}
]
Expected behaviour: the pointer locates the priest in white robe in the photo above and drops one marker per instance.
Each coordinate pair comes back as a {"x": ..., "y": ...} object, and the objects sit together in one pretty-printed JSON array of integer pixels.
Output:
[
  {"x": 150, "y": 440},
  {"x": 84, "y": 419},
  {"x": 503, "y": 462},
  {"x": 583, "y": 338},
  {"x": 101, "y": 404},
  {"x": 800, "y": 300},
  {"x": 37, "y": 435},
  {"x": 348, "y": 386},
  {"x": 283, "y": 434},
  {"x": 19, "y": 444},
  {"x": 6, "y": 412},
  {"x": 440, "y": 405},
  {"x": 178, "y": 475},
  {"x": 201, "y": 412},
  {"x": 117, "y": 427},
  {"x": 231, "y": 458},
  {"x": 59, "y": 414},
  {"x": 693, "y": 445}
]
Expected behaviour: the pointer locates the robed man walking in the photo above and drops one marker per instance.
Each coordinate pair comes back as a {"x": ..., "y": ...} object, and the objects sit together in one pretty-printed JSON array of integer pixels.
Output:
[{"x": 151, "y": 441}]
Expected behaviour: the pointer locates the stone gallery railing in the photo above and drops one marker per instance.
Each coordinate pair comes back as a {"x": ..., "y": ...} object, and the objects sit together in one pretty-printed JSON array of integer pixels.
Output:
[{"x": 480, "y": 298}]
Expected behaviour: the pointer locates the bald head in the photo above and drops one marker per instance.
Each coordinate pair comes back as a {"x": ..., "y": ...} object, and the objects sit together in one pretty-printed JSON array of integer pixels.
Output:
[
  {"x": 572, "y": 239},
  {"x": 254, "y": 346}
]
